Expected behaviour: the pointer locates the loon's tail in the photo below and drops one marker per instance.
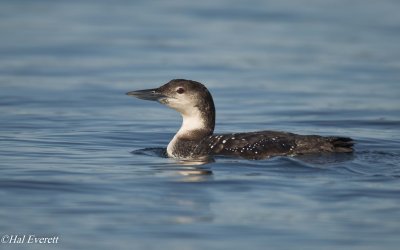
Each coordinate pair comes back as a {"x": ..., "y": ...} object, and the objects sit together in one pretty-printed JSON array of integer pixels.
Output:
[{"x": 341, "y": 144}]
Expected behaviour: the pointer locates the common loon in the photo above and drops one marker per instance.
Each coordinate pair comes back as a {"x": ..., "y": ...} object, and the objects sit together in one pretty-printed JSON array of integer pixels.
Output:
[{"x": 195, "y": 138}]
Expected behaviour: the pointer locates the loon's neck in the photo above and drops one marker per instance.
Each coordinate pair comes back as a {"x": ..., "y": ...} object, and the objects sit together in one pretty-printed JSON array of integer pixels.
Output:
[{"x": 196, "y": 125}]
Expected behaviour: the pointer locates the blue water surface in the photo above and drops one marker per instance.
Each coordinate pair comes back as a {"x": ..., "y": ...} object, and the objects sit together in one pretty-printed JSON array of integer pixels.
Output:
[{"x": 67, "y": 129}]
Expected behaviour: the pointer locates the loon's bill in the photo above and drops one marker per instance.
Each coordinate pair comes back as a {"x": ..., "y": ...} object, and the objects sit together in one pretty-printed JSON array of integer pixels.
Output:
[
  {"x": 195, "y": 138},
  {"x": 147, "y": 94}
]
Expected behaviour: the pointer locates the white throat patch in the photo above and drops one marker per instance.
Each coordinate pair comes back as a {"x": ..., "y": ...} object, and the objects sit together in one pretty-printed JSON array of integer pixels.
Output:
[{"x": 192, "y": 120}]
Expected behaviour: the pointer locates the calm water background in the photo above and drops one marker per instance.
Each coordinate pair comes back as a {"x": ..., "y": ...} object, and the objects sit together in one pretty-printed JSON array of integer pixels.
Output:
[{"x": 67, "y": 129}]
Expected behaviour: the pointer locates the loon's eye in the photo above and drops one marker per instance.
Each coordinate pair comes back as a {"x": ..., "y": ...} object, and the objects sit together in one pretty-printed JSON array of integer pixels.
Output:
[{"x": 180, "y": 91}]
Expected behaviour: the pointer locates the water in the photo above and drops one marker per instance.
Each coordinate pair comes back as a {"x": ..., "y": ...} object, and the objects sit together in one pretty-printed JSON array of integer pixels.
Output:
[{"x": 67, "y": 130}]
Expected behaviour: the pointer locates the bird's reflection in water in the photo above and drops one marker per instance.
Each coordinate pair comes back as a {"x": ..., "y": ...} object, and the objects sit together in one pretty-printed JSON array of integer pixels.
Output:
[
  {"x": 187, "y": 187},
  {"x": 185, "y": 200},
  {"x": 189, "y": 170},
  {"x": 195, "y": 175},
  {"x": 192, "y": 169}
]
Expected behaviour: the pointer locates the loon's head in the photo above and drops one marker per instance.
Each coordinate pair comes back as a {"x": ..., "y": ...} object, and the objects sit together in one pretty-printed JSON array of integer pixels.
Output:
[{"x": 190, "y": 98}]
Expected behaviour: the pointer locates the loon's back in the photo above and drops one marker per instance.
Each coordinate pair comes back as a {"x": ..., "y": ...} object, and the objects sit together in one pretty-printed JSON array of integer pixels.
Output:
[{"x": 265, "y": 144}]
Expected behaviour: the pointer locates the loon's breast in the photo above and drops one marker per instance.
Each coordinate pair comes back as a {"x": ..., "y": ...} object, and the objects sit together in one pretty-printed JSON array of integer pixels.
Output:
[{"x": 264, "y": 144}]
